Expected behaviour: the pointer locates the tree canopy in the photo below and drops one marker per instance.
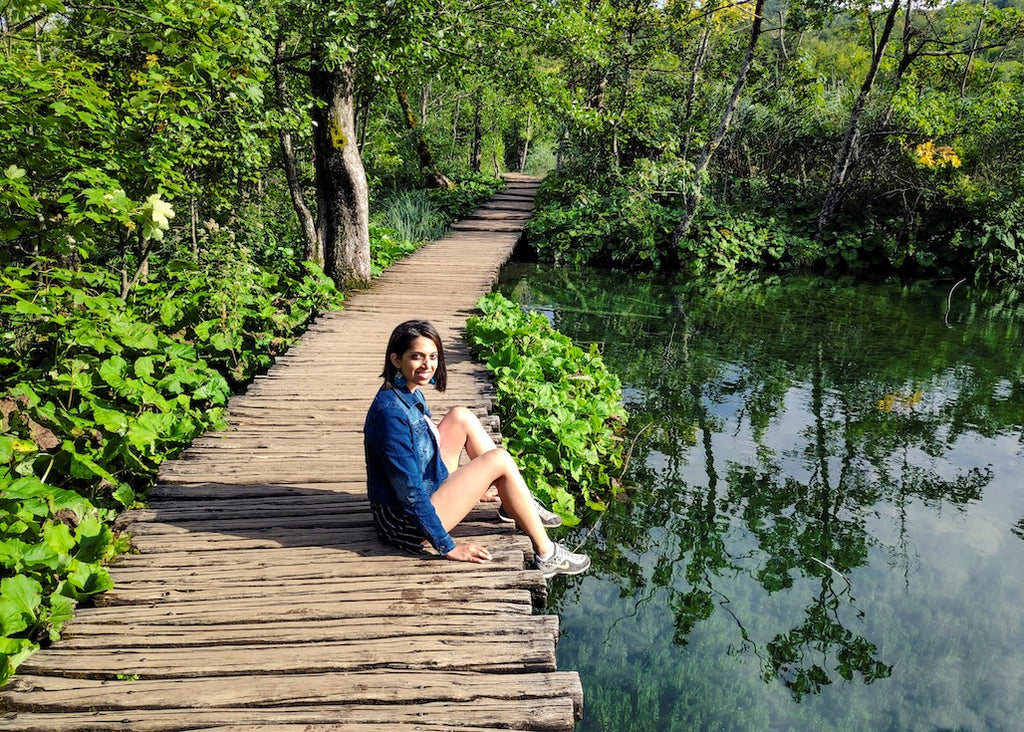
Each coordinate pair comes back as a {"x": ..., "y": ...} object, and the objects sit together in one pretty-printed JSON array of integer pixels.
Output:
[{"x": 842, "y": 135}]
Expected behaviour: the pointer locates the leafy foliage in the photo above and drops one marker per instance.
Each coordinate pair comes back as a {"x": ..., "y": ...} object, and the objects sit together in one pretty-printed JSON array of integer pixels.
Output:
[
  {"x": 561, "y": 408},
  {"x": 924, "y": 195},
  {"x": 110, "y": 111}
]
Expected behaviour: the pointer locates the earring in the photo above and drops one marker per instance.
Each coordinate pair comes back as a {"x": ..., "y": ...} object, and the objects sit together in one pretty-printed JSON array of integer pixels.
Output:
[
  {"x": 399, "y": 379},
  {"x": 433, "y": 380}
]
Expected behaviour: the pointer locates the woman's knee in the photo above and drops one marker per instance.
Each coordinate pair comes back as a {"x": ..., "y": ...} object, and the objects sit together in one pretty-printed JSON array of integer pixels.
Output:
[
  {"x": 500, "y": 458},
  {"x": 463, "y": 417}
]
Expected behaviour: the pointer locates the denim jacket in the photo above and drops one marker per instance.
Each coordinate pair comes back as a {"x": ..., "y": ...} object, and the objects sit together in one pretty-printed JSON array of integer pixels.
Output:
[{"x": 403, "y": 461}]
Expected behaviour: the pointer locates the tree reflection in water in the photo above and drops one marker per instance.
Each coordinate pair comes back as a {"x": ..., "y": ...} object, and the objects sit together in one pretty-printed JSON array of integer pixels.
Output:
[{"x": 775, "y": 424}]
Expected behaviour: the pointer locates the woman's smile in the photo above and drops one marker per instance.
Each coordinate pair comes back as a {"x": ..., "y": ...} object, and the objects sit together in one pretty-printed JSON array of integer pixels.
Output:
[{"x": 418, "y": 363}]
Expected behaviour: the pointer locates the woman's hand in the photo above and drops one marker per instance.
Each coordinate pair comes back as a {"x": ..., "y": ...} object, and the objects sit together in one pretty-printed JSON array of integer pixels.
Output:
[{"x": 469, "y": 553}]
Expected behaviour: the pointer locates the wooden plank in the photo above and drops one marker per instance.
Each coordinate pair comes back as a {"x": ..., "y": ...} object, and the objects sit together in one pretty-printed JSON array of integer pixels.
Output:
[
  {"x": 531, "y": 714},
  {"x": 213, "y": 490},
  {"x": 367, "y": 560},
  {"x": 527, "y": 653},
  {"x": 272, "y": 538},
  {"x": 154, "y": 635},
  {"x": 390, "y": 686},
  {"x": 343, "y": 721},
  {"x": 273, "y": 583}
]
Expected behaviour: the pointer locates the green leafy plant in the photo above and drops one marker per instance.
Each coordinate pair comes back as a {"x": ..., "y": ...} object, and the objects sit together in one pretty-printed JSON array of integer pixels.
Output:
[
  {"x": 471, "y": 189},
  {"x": 413, "y": 216},
  {"x": 561, "y": 408}
]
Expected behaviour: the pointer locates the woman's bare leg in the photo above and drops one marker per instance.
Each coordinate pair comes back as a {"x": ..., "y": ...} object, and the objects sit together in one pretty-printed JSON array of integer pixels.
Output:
[
  {"x": 460, "y": 492},
  {"x": 459, "y": 429}
]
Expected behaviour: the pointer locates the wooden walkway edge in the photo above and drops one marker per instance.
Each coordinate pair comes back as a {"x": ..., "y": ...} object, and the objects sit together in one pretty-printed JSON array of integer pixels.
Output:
[{"x": 260, "y": 598}]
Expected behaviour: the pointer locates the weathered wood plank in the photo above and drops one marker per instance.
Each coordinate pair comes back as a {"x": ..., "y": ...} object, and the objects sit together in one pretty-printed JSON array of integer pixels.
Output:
[
  {"x": 223, "y": 491},
  {"x": 271, "y": 584},
  {"x": 393, "y": 686},
  {"x": 527, "y": 653},
  {"x": 202, "y": 612},
  {"x": 154, "y": 635},
  {"x": 268, "y": 538},
  {"x": 527, "y": 714},
  {"x": 367, "y": 560},
  {"x": 344, "y": 721}
]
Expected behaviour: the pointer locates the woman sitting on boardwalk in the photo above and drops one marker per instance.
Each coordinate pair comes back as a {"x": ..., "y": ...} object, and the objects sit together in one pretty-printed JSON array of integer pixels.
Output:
[{"x": 416, "y": 488}]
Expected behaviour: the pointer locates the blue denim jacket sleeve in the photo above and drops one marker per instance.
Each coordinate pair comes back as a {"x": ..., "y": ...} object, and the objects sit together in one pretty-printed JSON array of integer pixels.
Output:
[{"x": 391, "y": 436}]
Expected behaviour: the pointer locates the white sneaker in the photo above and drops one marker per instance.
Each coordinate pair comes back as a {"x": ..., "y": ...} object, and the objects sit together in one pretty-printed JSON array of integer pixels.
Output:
[{"x": 562, "y": 561}]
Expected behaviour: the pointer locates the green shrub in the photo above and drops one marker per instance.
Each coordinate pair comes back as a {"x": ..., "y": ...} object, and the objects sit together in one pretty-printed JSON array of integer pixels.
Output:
[
  {"x": 561, "y": 409},
  {"x": 723, "y": 241},
  {"x": 412, "y": 215},
  {"x": 619, "y": 224},
  {"x": 470, "y": 190}
]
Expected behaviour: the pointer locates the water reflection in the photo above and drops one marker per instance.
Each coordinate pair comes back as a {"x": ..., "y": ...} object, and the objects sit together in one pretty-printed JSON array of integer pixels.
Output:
[{"x": 817, "y": 468}]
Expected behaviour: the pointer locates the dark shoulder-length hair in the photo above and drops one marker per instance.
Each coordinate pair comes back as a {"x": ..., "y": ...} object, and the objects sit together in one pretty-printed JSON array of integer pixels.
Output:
[{"x": 400, "y": 342}]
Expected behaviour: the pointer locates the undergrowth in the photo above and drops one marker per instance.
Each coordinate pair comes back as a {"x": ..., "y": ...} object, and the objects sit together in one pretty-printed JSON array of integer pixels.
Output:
[{"x": 561, "y": 409}]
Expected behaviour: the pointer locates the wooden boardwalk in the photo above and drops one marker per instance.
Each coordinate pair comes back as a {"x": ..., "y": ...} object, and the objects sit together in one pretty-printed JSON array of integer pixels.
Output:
[{"x": 260, "y": 599}]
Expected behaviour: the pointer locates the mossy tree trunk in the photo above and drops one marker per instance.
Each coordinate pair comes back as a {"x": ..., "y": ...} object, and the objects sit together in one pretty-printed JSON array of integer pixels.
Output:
[
  {"x": 343, "y": 211},
  {"x": 434, "y": 177}
]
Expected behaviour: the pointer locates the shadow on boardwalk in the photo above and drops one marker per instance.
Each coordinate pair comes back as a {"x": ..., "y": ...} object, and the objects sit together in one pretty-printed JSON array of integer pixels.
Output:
[{"x": 260, "y": 598}]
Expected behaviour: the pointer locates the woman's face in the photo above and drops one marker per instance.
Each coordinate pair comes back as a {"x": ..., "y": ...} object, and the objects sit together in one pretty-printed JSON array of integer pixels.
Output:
[{"x": 418, "y": 363}]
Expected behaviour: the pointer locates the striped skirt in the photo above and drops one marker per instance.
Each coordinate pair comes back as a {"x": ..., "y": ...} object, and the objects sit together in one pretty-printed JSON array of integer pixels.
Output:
[{"x": 396, "y": 527}]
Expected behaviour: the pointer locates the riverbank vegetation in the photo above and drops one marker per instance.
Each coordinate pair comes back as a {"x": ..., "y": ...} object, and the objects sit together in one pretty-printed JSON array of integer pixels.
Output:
[
  {"x": 561, "y": 407},
  {"x": 828, "y": 137}
]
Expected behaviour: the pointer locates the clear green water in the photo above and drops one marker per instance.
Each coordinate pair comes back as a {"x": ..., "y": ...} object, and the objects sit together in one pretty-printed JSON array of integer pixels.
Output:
[{"x": 826, "y": 525}]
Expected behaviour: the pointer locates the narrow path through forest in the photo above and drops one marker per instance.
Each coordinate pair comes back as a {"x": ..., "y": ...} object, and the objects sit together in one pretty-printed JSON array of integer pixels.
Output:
[{"x": 260, "y": 598}]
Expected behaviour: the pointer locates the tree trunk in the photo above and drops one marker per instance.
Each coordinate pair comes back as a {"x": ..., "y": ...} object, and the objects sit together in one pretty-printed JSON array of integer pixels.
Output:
[
  {"x": 691, "y": 92},
  {"x": 314, "y": 247},
  {"x": 973, "y": 51},
  {"x": 343, "y": 219},
  {"x": 693, "y": 200},
  {"x": 424, "y": 98},
  {"x": 524, "y": 143},
  {"x": 848, "y": 150},
  {"x": 477, "y": 153},
  {"x": 434, "y": 177}
]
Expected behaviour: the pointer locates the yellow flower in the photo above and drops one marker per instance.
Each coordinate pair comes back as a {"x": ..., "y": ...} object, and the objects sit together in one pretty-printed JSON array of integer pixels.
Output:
[{"x": 932, "y": 156}]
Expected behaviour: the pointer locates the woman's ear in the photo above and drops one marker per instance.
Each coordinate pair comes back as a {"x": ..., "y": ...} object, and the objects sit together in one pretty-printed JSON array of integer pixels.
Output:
[{"x": 395, "y": 360}]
